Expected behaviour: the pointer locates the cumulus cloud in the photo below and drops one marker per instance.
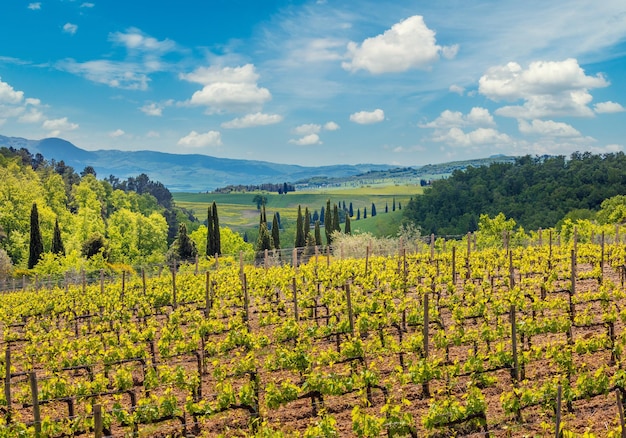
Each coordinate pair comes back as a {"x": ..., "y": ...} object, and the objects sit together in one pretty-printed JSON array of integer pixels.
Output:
[
  {"x": 548, "y": 128},
  {"x": 368, "y": 117},
  {"x": 8, "y": 95},
  {"x": 155, "y": 109},
  {"x": 87, "y": 5},
  {"x": 457, "y": 89},
  {"x": 310, "y": 128},
  {"x": 409, "y": 44},
  {"x": 116, "y": 133},
  {"x": 57, "y": 126},
  {"x": 32, "y": 116},
  {"x": 477, "y": 116},
  {"x": 480, "y": 136},
  {"x": 135, "y": 40},
  {"x": 232, "y": 89},
  {"x": 307, "y": 140},
  {"x": 331, "y": 126},
  {"x": 251, "y": 120},
  {"x": 34, "y": 6},
  {"x": 548, "y": 88},
  {"x": 608, "y": 107},
  {"x": 196, "y": 140},
  {"x": 70, "y": 28}
]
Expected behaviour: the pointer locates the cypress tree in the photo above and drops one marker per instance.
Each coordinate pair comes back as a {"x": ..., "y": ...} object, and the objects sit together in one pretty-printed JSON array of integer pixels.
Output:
[
  {"x": 210, "y": 232},
  {"x": 373, "y": 210},
  {"x": 386, "y": 207},
  {"x": 399, "y": 205},
  {"x": 217, "y": 249},
  {"x": 348, "y": 229},
  {"x": 393, "y": 205},
  {"x": 186, "y": 248},
  {"x": 57, "y": 242},
  {"x": 322, "y": 216},
  {"x": 336, "y": 222},
  {"x": 36, "y": 243},
  {"x": 350, "y": 210},
  {"x": 364, "y": 212},
  {"x": 328, "y": 223},
  {"x": 358, "y": 214},
  {"x": 307, "y": 224},
  {"x": 300, "y": 236},
  {"x": 265, "y": 240},
  {"x": 318, "y": 234},
  {"x": 275, "y": 232}
]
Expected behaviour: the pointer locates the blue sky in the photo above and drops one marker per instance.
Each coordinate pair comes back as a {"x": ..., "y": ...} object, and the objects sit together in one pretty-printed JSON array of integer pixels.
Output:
[{"x": 318, "y": 82}]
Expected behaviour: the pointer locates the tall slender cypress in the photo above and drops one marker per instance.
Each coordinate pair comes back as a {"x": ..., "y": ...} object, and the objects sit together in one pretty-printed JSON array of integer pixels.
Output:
[
  {"x": 328, "y": 223},
  {"x": 348, "y": 228},
  {"x": 217, "y": 240},
  {"x": 36, "y": 243},
  {"x": 318, "y": 234},
  {"x": 276, "y": 232},
  {"x": 57, "y": 242},
  {"x": 373, "y": 209},
  {"x": 210, "y": 232},
  {"x": 336, "y": 222},
  {"x": 300, "y": 237},
  {"x": 307, "y": 224}
]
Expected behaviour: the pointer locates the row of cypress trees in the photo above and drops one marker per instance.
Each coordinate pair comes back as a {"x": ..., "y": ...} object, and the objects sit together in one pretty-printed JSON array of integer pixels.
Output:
[{"x": 36, "y": 241}]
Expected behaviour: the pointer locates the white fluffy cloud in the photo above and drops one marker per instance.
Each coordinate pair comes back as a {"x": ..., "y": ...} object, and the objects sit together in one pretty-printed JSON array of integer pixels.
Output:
[
  {"x": 477, "y": 116},
  {"x": 457, "y": 89},
  {"x": 608, "y": 107},
  {"x": 408, "y": 44},
  {"x": 196, "y": 140},
  {"x": 331, "y": 126},
  {"x": 34, "y": 6},
  {"x": 368, "y": 117},
  {"x": 32, "y": 116},
  {"x": 8, "y": 95},
  {"x": 548, "y": 88},
  {"x": 155, "y": 109},
  {"x": 310, "y": 128},
  {"x": 70, "y": 28},
  {"x": 478, "y": 137},
  {"x": 116, "y": 133},
  {"x": 307, "y": 140},
  {"x": 134, "y": 40},
  {"x": 547, "y": 128},
  {"x": 251, "y": 120},
  {"x": 57, "y": 126},
  {"x": 228, "y": 89}
]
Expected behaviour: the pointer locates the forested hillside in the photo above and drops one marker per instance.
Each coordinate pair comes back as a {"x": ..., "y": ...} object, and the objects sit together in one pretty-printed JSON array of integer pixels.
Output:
[
  {"x": 128, "y": 221},
  {"x": 534, "y": 191}
]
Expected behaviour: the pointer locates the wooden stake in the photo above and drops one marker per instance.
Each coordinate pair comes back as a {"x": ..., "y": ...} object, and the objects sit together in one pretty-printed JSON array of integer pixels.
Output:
[
  {"x": 559, "y": 394},
  {"x": 32, "y": 377},
  {"x": 7, "y": 381},
  {"x": 514, "y": 343},
  {"x": 295, "y": 299},
  {"x": 350, "y": 314},
  {"x": 97, "y": 421}
]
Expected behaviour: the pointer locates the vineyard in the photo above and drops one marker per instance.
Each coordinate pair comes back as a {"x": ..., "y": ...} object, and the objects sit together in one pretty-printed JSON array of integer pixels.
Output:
[{"x": 446, "y": 341}]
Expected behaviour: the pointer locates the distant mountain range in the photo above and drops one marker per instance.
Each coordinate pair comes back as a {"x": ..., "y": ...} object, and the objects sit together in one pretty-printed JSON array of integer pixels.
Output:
[{"x": 197, "y": 173}]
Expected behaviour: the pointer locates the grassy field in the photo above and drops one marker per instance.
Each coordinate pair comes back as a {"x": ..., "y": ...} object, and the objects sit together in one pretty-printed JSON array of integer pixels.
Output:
[{"x": 238, "y": 211}]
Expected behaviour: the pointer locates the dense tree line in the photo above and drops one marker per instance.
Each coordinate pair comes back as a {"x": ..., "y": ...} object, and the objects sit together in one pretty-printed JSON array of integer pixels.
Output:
[
  {"x": 280, "y": 188},
  {"x": 534, "y": 191}
]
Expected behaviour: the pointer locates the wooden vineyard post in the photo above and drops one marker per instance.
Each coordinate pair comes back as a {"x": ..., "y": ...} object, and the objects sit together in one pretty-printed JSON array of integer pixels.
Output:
[
  {"x": 432, "y": 247},
  {"x": 550, "y": 251},
  {"x": 97, "y": 421},
  {"x": 83, "y": 279},
  {"x": 425, "y": 386},
  {"x": 102, "y": 282},
  {"x": 453, "y": 265},
  {"x": 559, "y": 394},
  {"x": 620, "y": 409},
  {"x": 143, "y": 281},
  {"x": 575, "y": 238},
  {"x": 295, "y": 299},
  {"x": 246, "y": 314},
  {"x": 294, "y": 258},
  {"x": 240, "y": 263},
  {"x": 367, "y": 259},
  {"x": 572, "y": 291},
  {"x": 174, "y": 297},
  {"x": 32, "y": 377},
  {"x": 601, "y": 279},
  {"x": 217, "y": 261},
  {"x": 208, "y": 295},
  {"x": 350, "y": 314},
  {"x": 515, "y": 370},
  {"x": 7, "y": 381},
  {"x": 265, "y": 258}
]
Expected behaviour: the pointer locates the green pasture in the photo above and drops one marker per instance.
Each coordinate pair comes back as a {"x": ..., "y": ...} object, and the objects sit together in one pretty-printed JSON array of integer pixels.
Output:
[{"x": 238, "y": 211}]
